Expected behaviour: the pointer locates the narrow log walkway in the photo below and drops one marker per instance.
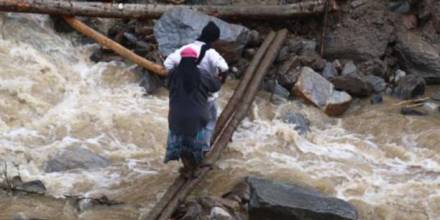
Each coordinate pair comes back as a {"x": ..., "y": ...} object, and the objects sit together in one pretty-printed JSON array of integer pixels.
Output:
[{"x": 234, "y": 112}]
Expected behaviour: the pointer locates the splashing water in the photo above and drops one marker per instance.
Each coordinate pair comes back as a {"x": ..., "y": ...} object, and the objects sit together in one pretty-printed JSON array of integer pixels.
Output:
[{"x": 53, "y": 97}]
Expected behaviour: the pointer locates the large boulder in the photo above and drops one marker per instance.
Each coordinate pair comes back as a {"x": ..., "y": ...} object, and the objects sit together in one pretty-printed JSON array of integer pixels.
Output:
[
  {"x": 274, "y": 200},
  {"x": 75, "y": 157},
  {"x": 354, "y": 84},
  {"x": 410, "y": 86},
  {"x": 180, "y": 26},
  {"x": 315, "y": 89},
  {"x": 361, "y": 35},
  {"x": 417, "y": 56}
]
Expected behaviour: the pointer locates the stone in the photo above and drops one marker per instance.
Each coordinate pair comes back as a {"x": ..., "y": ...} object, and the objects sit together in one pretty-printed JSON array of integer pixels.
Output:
[
  {"x": 255, "y": 39},
  {"x": 436, "y": 96},
  {"x": 312, "y": 59},
  {"x": 34, "y": 186},
  {"x": 218, "y": 213},
  {"x": 376, "y": 99},
  {"x": 249, "y": 53},
  {"x": 378, "y": 84},
  {"x": 418, "y": 56},
  {"x": 313, "y": 87},
  {"x": 401, "y": 6},
  {"x": 398, "y": 75},
  {"x": 151, "y": 83},
  {"x": 373, "y": 67},
  {"x": 413, "y": 111},
  {"x": 302, "y": 124},
  {"x": 409, "y": 87},
  {"x": 360, "y": 39},
  {"x": 75, "y": 157},
  {"x": 349, "y": 68},
  {"x": 282, "y": 201},
  {"x": 410, "y": 21},
  {"x": 354, "y": 84},
  {"x": 275, "y": 88},
  {"x": 240, "y": 192},
  {"x": 194, "y": 211},
  {"x": 231, "y": 51},
  {"x": 289, "y": 79},
  {"x": 338, "y": 103},
  {"x": 431, "y": 107},
  {"x": 329, "y": 71},
  {"x": 283, "y": 54},
  {"x": 180, "y": 26}
]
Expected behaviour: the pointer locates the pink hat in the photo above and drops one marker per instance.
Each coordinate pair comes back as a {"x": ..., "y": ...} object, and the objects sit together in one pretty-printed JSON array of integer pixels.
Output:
[{"x": 188, "y": 52}]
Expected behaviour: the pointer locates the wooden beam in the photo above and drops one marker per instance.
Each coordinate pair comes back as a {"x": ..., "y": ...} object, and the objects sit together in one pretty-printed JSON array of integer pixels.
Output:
[
  {"x": 116, "y": 47},
  {"x": 110, "y": 10}
]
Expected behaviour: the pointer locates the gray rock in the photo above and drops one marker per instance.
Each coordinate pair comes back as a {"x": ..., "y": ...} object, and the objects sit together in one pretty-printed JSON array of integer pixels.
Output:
[
  {"x": 376, "y": 99},
  {"x": 413, "y": 111},
  {"x": 338, "y": 103},
  {"x": 436, "y": 96},
  {"x": 354, "y": 84},
  {"x": 313, "y": 87},
  {"x": 349, "y": 68},
  {"x": 239, "y": 193},
  {"x": 431, "y": 107},
  {"x": 302, "y": 124},
  {"x": 151, "y": 83},
  {"x": 34, "y": 186},
  {"x": 410, "y": 86},
  {"x": 281, "y": 201},
  {"x": 178, "y": 27},
  {"x": 218, "y": 213},
  {"x": 75, "y": 157},
  {"x": 400, "y": 7},
  {"x": 329, "y": 71},
  {"x": 289, "y": 79},
  {"x": 377, "y": 83},
  {"x": 418, "y": 56},
  {"x": 272, "y": 86}
]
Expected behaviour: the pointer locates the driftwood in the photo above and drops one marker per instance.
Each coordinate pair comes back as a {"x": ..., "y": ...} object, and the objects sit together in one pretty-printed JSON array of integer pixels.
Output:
[
  {"x": 223, "y": 136},
  {"x": 117, "y": 48},
  {"x": 110, "y": 10}
]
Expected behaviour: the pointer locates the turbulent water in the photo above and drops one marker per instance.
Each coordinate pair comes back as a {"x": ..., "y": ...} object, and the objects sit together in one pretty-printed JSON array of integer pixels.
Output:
[{"x": 53, "y": 97}]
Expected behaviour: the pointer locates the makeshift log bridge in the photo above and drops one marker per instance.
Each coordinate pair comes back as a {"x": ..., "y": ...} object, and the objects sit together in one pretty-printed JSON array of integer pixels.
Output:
[
  {"x": 235, "y": 111},
  {"x": 110, "y": 10}
]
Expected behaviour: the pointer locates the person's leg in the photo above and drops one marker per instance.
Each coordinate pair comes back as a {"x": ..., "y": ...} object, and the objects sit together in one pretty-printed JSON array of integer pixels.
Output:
[
  {"x": 173, "y": 147},
  {"x": 210, "y": 127}
]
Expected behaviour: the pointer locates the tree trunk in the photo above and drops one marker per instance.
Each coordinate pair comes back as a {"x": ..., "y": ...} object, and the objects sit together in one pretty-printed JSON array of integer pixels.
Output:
[
  {"x": 117, "y": 48},
  {"x": 98, "y": 9}
]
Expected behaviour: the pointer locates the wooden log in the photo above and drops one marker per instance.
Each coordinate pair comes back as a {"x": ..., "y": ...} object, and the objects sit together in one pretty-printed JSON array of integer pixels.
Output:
[
  {"x": 238, "y": 93},
  {"x": 110, "y": 10},
  {"x": 117, "y": 48},
  {"x": 224, "y": 136}
]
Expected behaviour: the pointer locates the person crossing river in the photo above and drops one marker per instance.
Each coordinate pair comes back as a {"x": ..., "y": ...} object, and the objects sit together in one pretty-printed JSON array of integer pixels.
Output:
[{"x": 209, "y": 61}]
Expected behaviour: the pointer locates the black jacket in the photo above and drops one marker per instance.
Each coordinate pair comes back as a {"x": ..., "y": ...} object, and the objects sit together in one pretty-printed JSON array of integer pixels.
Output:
[{"x": 188, "y": 112}]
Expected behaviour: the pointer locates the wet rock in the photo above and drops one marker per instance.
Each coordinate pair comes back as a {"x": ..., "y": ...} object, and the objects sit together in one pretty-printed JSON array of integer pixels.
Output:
[
  {"x": 105, "y": 56},
  {"x": 410, "y": 86},
  {"x": 302, "y": 124},
  {"x": 338, "y": 103},
  {"x": 255, "y": 39},
  {"x": 180, "y": 26},
  {"x": 400, "y": 6},
  {"x": 431, "y": 107},
  {"x": 354, "y": 84},
  {"x": 329, "y": 71},
  {"x": 419, "y": 57},
  {"x": 313, "y": 87},
  {"x": 283, "y": 54},
  {"x": 249, "y": 53},
  {"x": 34, "y": 186},
  {"x": 60, "y": 25},
  {"x": 436, "y": 96},
  {"x": 377, "y": 83},
  {"x": 275, "y": 88},
  {"x": 218, "y": 213},
  {"x": 376, "y": 99},
  {"x": 75, "y": 157},
  {"x": 413, "y": 111},
  {"x": 349, "y": 68},
  {"x": 151, "y": 83},
  {"x": 240, "y": 193},
  {"x": 281, "y": 201},
  {"x": 289, "y": 79}
]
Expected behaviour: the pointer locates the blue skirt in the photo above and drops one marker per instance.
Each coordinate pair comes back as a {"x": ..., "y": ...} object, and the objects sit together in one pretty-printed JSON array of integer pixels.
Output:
[{"x": 193, "y": 148}]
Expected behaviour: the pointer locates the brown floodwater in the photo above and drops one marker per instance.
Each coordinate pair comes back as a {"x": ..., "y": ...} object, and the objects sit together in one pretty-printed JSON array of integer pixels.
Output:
[{"x": 53, "y": 97}]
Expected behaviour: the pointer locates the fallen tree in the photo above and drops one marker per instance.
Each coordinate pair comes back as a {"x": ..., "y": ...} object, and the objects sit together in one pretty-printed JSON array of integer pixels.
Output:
[
  {"x": 109, "y": 10},
  {"x": 117, "y": 48}
]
